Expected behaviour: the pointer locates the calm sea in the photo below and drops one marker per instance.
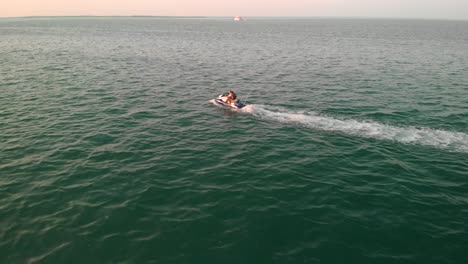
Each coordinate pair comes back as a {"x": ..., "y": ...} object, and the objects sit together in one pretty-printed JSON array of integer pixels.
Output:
[{"x": 353, "y": 149}]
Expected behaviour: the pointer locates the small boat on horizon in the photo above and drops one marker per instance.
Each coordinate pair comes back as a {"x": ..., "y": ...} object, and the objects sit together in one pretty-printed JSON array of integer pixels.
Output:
[{"x": 238, "y": 18}]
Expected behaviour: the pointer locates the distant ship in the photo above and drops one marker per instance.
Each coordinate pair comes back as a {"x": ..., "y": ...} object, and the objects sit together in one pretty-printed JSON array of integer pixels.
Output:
[{"x": 238, "y": 18}]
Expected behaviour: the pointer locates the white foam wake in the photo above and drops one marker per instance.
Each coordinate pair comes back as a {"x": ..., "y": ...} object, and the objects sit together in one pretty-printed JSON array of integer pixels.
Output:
[{"x": 455, "y": 141}]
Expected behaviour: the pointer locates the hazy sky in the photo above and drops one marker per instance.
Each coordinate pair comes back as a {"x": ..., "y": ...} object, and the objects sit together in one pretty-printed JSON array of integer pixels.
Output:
[{"x": 444, "y": 9}]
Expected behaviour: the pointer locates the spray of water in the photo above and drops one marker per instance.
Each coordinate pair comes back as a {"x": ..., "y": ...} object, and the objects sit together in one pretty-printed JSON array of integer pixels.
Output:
[{"x": 455, "y": 141}]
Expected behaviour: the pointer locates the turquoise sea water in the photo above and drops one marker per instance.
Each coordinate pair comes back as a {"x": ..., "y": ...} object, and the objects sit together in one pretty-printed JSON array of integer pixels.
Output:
[{"x": 353, "y": 149}]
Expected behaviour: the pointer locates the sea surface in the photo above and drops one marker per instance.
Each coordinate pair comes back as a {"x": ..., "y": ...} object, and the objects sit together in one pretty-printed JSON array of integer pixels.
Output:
[{"x": 353, "y": 147}]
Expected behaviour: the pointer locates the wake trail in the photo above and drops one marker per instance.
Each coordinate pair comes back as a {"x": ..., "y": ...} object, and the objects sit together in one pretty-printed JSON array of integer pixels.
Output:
[{"x": 450, "y": 140}]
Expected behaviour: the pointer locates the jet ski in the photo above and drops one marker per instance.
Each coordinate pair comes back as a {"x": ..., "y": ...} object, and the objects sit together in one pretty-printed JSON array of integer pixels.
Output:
[{"x": 221, "y": 100}]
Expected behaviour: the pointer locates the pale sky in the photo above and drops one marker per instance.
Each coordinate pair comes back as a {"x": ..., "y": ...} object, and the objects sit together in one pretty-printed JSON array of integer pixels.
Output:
[{"x": 438, "y": 9}]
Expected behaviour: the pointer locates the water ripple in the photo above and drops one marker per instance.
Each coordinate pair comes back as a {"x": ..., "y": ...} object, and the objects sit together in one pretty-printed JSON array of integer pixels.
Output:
[{"x": 110, "y": 153}]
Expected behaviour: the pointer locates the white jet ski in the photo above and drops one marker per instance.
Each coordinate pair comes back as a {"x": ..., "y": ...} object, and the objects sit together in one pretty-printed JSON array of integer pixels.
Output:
[{"x": 222, "y": 100}]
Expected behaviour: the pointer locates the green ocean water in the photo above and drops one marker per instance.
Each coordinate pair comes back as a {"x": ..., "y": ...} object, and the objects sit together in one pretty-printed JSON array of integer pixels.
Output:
[{"x": 353, "y": 147}]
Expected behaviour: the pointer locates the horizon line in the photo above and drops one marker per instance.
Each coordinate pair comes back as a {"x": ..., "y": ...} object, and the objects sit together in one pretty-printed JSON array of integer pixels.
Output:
[{"x": 250, "y": 17}]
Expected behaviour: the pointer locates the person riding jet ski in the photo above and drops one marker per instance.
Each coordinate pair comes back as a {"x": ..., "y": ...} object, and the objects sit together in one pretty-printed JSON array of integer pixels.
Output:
[{"x": 231, "y": 97}]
